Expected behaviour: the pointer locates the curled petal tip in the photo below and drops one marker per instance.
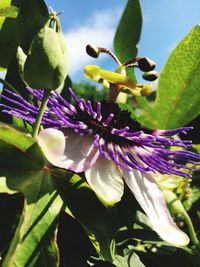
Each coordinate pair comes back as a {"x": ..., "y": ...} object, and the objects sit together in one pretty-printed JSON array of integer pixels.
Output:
[{"x": 173, "y": 235}]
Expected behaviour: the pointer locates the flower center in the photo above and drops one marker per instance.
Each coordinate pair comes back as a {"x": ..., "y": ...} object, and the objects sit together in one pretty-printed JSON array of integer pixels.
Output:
[{"x": 119, "y": 120}]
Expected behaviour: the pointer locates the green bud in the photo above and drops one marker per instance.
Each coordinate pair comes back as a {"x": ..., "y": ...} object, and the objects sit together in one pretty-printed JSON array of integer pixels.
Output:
[
  {"x": 46, "y": 63},
  {"x": 146, "y": 64},
  {"x": 92, "y": 51},
  {"x": 150, "y": 76}
]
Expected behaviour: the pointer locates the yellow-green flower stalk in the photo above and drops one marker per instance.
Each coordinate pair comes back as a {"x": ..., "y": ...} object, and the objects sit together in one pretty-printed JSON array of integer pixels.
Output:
[
  {"x": 118, "y": 82},
  {"x": 97, "y": 74}
]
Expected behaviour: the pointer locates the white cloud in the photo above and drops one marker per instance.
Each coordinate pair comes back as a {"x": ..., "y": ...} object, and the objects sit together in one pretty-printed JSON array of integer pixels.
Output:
[{"x": 98, "y": 30}]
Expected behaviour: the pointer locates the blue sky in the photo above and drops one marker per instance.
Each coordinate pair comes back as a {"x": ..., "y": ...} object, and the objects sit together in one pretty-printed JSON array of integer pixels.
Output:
[{"x": 165, "y": 23}]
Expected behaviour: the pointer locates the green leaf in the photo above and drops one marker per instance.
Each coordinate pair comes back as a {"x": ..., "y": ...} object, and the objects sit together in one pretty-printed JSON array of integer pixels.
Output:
[
  {"x": 8, "y": 44},
  {"x": 128, "y": 33},
  {"x": 130, "y": 260},
  {"x": 27, "y": 28},
  {"x": 99, "y": 222},
  {"x": 23, "y": 165},
  {"x": 4, "y": 188},
  {"x": 18, "y": 3},
  {"x": 8, "y": 13},
  {"x": 177, "y": 101},
  {"x": 7, "y": 9}
]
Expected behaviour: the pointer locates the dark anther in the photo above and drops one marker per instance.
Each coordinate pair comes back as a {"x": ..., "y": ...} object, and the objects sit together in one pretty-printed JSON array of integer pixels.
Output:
[
  {"x": 150, "y": 76},
  {"x": 146, "y": 64},
  {"x": 92, "y": 51}
]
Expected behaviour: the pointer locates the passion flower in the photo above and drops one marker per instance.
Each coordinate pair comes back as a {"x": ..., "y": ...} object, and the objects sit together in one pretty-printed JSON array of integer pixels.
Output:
[{"x": 105, "y": 143}]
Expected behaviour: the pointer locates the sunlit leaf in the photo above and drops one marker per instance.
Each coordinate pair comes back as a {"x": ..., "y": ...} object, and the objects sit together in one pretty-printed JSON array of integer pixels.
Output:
[
  {"x": 128, "y": 32},
  {"x": 129, "y": 260},
  {"x": 177, "y": 101},
  {"x": 23, "y": 165},
  {"x": 4, "y": 188},
  {"x": 7, "y": 41},
  {"x": 8, "y": 14},
  {"x": 27, "y": 28},
  {"x": 7, "y": 9}
]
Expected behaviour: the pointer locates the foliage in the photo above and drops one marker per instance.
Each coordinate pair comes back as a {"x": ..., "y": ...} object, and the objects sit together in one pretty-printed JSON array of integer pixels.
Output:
[{"x": 50, "y": 216}]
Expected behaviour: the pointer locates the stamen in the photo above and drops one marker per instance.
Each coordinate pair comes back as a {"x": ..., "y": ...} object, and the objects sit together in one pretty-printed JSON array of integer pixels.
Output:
[
  {"x": 15, "y": 103},
  {"x": 20, "y": 116},
  {"x": 21, "y": 99},
  {"x": 101, "y": 143},
  {"x": 183, "y": 130},
  {"x": 98, "y": 110},
  {"x": 133, "y": 164},
  {"x": 120, "y": 131},
  {"x": 134, "y": 160},
  {"x": 108, "y": 120},
  {"x": 133, "y": 134},
  {"x": 96, "y": 139},
  {"x": 38, "y": 94},
  {"x": 171, "y": 142},
  {"x": 114, "y": 157},
  {"x": 181, "y": 153},
  {"x": 69, "y": 122},
  {"x": 65, "y": 103},
  {"x": 92, "y": 112},
  {"x": 80, "y": 102},
  {"x": 160, "y": 164}
]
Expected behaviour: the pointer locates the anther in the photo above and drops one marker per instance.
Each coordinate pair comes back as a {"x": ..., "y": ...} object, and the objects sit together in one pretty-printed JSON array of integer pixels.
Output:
[
  {"x": 150, "y": 76},
  {"x": 146, "y": 64}
]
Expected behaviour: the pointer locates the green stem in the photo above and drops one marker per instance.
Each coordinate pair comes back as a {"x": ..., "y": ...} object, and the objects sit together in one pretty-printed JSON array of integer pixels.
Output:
[
  {"x": 40, "y": 113},
  {"x": 184, "y": 187},
  {"x": 8, "y": 86},
  {"x": 193, "y": 236}
]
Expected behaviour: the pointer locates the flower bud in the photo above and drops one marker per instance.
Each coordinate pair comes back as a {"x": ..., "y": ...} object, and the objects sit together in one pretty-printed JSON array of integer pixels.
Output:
[
  {"x": 146, "y": 64},
  {"x": 150, "y": 76},
  {"x": 45, "y": 65},
  {"x": 92, "y": 51}
]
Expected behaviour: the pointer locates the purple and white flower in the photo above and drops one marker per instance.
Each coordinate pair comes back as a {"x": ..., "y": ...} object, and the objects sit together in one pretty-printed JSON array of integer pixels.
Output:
[{"x": 105, "y": 143}]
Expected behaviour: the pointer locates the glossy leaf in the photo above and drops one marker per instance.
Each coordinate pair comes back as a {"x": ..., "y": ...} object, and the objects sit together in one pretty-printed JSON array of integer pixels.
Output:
[
  {"x": 129, "y": 260},
  {"x": 7, "y": 40},
  {"x": 4, "y": 188},
  {"x": 177, "y": 101},
  {"x": 7, "y": 9},
  {"x": 23, "y": 165},
  {"x": 98, "y": 221},
  {"x": 27, "y": 28},
  {"x": 8, "y": 13},
  {"x": 128, "y": 33}
]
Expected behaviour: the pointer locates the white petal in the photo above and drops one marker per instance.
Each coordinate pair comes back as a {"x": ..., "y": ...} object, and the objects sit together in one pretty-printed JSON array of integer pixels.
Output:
[
  {"x": 68, "y": 150},
  {"x": 106, "y": 180},
  {"x": 152, "y": 201}
]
